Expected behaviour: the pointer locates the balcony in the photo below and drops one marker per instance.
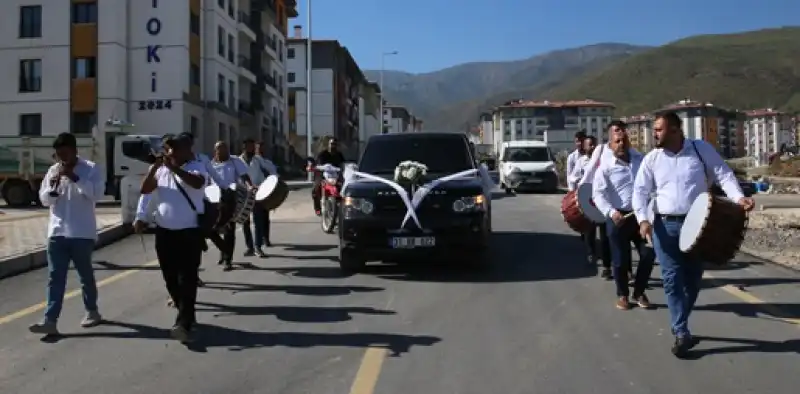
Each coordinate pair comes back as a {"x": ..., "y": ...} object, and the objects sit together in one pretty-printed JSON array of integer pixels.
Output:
[
  {"x": 245, "y": 26},
  {"x": 244, "y": 68},
  {"x": 246, "y": 109},
  {"x": 271, "y": 86},
  {"x": 270, "y": 46}
]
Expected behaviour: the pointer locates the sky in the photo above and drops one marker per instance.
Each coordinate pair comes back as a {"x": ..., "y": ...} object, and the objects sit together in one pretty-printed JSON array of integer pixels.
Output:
[{"x": 430, "y": 35}]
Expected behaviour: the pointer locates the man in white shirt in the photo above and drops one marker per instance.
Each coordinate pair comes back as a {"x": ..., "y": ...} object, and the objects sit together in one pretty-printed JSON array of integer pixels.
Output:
[
  {"x": 232, "y": 172},
  {"x": 590, "y": 237},
  {"x": 70, "y": 189},
  {"x": 612, "y": 191},
  {"x": 259, "y": 168},
  {"x": 573, "y": 157},
  {"x": 677, "y": 171},
  {"x": 179, "y": 181}
]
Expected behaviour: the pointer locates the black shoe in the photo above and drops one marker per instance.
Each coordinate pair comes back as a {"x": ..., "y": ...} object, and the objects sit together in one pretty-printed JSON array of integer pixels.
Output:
[
  {"x": 249, "y": 253},
  {"x": 591, "y": 260},
  {"x": 268, "y": 244},
  {"x": 200, "y": 283},
  {"x": 682, "y": 346},
  {"x": 183, "y": 335},
  {"x": 606, "y": 274},
  {"x": 220, "y": 261},
  {"x": 260, "y": 253},
  {"x": 228, "y": 266}
]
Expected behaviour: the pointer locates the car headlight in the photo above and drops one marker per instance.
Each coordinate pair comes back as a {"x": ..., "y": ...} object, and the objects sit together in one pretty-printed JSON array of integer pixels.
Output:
[
  {"x": 470, "y": 204},
  {"x": 359, "y": 204}
]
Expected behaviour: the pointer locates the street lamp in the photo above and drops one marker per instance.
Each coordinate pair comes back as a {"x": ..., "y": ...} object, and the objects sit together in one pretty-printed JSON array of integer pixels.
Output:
[
  {"x": 383, "y": 66},
  {"x": 309, "y": 139}
]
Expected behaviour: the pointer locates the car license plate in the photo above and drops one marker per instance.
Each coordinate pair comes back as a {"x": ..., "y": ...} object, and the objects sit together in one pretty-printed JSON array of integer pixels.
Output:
[{"x": 412, "y": 242}]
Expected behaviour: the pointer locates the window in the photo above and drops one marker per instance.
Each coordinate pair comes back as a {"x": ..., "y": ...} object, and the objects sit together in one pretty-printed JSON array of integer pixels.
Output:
[
  {"x": 84, "y": 68},
  {"x": 221, "y": 41},
  {"x": 30, "y": 124},
  {"x": 193, "y": 126},
  {"x": 231, "y": 95},
  {"x": 527, "y": 154},
  {"x": 84, "y": 12},
  {"x": 82, "y": 122},
  {"x": 194, "y": 23},
  {"x": 194, "y": 75},
  {"x": 290, "y": 77},
  {"x": 280, "y": 50},
  {"x": 221, "y": 4},
  {"x": 230, "y": 47},
  {"x": 230, "y": 9},
  {"x": 30, "y": 75},
  {"x": 222, "y": 132},
  {"x": 290, "y": 53},
  {"x": 221, "y": 89},
  {"x": 442, "y": 154},
  {"x": 30, "y": 21}
]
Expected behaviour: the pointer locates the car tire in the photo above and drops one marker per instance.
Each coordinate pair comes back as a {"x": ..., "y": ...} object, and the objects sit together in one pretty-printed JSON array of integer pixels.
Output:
[
  {"x": 350, "y": 262},
  {"x": 479, "y": 259}
]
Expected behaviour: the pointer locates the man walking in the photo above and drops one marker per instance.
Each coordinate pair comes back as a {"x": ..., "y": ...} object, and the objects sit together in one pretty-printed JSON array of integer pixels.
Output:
[
  {"x": 232, "y": 172},
  {"x": 70, "y": 189},
  {"x": 259, "y": 168}
]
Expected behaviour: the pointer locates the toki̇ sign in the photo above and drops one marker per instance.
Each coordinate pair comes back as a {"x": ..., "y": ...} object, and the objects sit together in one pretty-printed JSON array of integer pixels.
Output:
[{"x": 153, "y": 27}]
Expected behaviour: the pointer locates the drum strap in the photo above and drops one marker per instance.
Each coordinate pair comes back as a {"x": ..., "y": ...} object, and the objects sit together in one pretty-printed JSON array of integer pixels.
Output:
[{"x": 709, "y": 184}]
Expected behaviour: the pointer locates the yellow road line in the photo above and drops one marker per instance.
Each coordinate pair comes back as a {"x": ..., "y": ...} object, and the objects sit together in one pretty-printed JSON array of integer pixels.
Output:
[
  {"x": 775, "y": 312},
  {"x": 72, "y": 294},
  {"x": 369, "y": 371}
]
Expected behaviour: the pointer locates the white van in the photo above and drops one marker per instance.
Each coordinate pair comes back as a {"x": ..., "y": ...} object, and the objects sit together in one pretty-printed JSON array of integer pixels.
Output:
[{"x": 527, "y": 165}]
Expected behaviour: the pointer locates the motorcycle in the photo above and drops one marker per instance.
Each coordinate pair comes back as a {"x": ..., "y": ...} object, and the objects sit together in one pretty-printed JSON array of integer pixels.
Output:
[{"x": 330, "y": 197}]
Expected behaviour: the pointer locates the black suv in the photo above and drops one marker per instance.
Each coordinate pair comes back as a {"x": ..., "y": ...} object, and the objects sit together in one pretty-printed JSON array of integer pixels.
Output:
[{"x": 455, "y": 216}]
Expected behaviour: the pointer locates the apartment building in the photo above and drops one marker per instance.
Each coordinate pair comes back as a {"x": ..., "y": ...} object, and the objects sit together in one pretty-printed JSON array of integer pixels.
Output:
[
  {"x": 528, "y": 120},
  {"x": 165, "y": 66},
  {"x": 486, "y": 133},
  {"x": 336, "y": 84},
  {"x": 369, "y": 108},
  {"x": 640, "y": 130},
  {"x": 398, "y": 119},
  {"x": 767, "y": 131},
  {"x": 723, "y": 128}
]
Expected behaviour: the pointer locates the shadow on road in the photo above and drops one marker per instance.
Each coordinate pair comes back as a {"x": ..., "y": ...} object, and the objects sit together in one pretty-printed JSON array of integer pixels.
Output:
[
  {"x": 733, "y": 265},
  {"x": 744, "y": 345},
  {"x": 765, "y": 310},
  {"x": 297, "y": 314},
  {"x": 291, "y": 289},
  {"x": 744, "y": 283},
  {"x": 308, "y": 248},
  {"x": 515, "y": 257},
  {"x": 109, "y": 266},
  {"x": 320, "y": 272},
  {"x": 211, "y": 336}
]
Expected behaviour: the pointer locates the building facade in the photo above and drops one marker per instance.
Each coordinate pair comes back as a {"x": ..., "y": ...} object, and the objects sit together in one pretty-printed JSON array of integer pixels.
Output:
[
  {"x": 640, "y": 130},
  {"x": 398, "y": 119},
  {"x": 528, "y": 120},
  {"x": 720, "y": 127},
  {"x": 165, "y": 66},
  {"x": 336, "y": 84},
  {"x": 767, "y": 131}
]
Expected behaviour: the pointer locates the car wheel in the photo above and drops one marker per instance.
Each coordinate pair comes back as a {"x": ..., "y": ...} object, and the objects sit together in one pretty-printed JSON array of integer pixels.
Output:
[
  {"x": 350, "y": 262},
  {"x": 479, "y": 259}
]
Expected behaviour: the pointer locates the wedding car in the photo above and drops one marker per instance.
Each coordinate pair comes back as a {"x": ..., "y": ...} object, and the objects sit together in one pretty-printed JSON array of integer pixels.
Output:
[{"x": 415, "y": 196}]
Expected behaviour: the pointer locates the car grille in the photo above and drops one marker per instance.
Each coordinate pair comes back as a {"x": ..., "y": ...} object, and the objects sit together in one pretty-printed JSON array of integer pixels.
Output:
[
  {"x": 432, "y": 205},
  {"x": 545, "y": 175}
]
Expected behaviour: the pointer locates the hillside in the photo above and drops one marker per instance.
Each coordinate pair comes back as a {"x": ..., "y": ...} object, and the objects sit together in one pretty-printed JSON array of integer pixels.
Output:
[
  {"x": 746, "y": 70},
  {"x": 428, "y": 94}
]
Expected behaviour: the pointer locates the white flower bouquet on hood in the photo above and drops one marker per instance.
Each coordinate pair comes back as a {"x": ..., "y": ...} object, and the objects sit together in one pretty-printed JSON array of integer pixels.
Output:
[{"x": 410, "y": 172}]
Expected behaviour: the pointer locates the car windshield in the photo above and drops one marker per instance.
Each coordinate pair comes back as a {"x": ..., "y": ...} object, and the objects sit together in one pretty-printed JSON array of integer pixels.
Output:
[
  {"x": 441, "y": 154},
  {"x": 527, "y": 154}
]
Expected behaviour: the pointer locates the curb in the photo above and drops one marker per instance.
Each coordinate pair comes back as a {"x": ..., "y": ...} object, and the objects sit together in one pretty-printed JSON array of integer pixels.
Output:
[
  {"x": 37, "y": 258},
  {"x": 768, "y": 260}
]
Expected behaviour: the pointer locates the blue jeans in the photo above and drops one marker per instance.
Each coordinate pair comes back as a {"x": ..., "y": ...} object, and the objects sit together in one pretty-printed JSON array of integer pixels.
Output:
[
  {"x": 620, "y": 239},
  {"x": 682, "y": 275},
  {"x": 60, "y": 251},
  {"x": 261, "y": 224}
]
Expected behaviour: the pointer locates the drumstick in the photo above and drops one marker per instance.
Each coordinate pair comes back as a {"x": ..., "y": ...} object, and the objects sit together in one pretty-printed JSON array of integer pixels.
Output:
[{"x": 628, "y": 215}]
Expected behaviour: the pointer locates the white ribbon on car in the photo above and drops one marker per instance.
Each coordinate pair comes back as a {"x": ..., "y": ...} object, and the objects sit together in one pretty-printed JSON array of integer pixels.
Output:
[{"x": 412, "y": 203}]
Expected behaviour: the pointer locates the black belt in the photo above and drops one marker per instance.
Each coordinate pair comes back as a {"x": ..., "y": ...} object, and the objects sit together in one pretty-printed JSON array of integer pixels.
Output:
[
  {"x": 623, "y": 211},
  {"x": 671, "y": 218}
]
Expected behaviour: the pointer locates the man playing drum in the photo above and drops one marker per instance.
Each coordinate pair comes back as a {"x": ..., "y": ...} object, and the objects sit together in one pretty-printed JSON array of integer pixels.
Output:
[
  {"x": 232, "y": 172},
  {"x": 590, "y": 237},
  {"x": 612, "y": 189},
  {"x": 677, "y": 171},
  {"x": 259, "y": 168},
  {"x": 573, "y": 157}
]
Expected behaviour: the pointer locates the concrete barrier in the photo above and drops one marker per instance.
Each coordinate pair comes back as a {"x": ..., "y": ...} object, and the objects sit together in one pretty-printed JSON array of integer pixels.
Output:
[{"x": 15, "y": 265}]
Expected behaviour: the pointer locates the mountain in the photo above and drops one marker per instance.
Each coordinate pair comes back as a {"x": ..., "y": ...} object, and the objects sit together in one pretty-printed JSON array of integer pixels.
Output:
[
  {"x": 743, "y": 70},
  {"x": 429, "y": 94},
  {"x": 740, "y": 71}
]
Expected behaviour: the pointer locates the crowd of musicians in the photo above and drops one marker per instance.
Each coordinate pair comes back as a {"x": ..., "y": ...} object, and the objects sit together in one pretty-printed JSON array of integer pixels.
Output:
[
  {"x": 645, "y": 198},
  {"x": 642, "y": 198}
]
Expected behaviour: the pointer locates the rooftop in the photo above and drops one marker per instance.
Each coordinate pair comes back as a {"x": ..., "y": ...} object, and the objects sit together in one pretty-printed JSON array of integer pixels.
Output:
[
  {"x": 554, "y": 104},
  {"x": 764, "y": 112}
]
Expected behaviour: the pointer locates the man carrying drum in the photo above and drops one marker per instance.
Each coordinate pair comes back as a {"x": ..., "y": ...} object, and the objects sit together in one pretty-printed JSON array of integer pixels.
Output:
[
  {"x": 677, "y": 172},
  {"x": 590, "y": 237},
  {"x": 573, "y": 157},
  {"x": 232, "y": 173},
  {"x": 612, "y": 189},
  {"x": 259, "y": 168}
]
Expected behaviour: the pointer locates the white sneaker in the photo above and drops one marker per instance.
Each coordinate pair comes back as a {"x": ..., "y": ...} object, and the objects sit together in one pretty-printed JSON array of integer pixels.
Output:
[{"x": 91, "y": 319}]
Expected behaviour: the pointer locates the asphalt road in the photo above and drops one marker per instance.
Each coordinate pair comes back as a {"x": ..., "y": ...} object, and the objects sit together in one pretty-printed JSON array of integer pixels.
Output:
[{"x": 540, "y": 322}]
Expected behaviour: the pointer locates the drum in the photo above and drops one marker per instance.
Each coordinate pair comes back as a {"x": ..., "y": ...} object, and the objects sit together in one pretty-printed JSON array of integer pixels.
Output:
[
  {"x": 272, "y": 192},
  {"x": 245, "y": 200},
  {"x": 573, "y": 215},
  {"x": 713, "y": 229},
  {"x": 213, "y": 194},
  {"x": 587, "y": 205}
]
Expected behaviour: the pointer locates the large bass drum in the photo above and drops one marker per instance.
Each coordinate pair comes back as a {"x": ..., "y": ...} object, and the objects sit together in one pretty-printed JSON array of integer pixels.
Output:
[
  {"x": 272, "y": 192},
  {"x": 245, "y": 200},
  {"x": 714, "y": 229}
]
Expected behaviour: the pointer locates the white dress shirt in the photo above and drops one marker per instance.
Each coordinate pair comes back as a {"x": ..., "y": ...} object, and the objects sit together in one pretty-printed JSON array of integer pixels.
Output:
[
  {"x": 571, "y": 160},
  {"x": 173, "y": 211},
  {"x": 259, "y": 168},
  {"x": 579, "y": 167},
  {"x": 213, "y": 176},
  {"x": 229, "y": 171},
  {"x": 677, "y": 179},
  {"x": 612, "y": 187},
  {"x": 72, "y": 213}
]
